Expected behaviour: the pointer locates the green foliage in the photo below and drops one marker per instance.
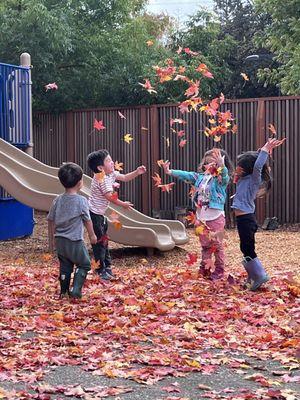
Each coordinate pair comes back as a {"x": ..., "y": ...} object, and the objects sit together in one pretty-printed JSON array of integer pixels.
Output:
[
  {"x": 94, "y": 50},
  {"x": 282, "y": 37}
]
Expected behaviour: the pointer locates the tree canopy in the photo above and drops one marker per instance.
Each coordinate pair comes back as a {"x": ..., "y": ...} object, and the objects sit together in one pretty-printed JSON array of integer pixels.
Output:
[
  {"x": 97, "y": 51},
  {"x": 282, "y": 37}
]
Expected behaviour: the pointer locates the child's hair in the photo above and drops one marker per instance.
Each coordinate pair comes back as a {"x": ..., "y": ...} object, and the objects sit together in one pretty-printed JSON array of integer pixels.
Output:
[
  {"x": 96, "y": 159},
  {"x": 70, "y": 174},
  {"x": 245, "y": 164},
  {"x": 227, "y": 161}
]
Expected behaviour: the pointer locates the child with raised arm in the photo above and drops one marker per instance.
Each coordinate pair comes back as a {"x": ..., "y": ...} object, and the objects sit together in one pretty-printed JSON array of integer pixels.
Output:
[
  {"x": 101, "y": 195},
  {"x": 210, "y": 183},
  {"x": 252, "y": 179},
  {"x": 67, "y": 215}
]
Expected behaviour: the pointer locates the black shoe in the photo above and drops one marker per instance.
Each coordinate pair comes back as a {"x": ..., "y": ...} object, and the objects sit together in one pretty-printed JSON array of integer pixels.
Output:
[
  {"x": 65, "y": 295},
  {"x": 110, "y": 273},
  {"x": 104, "y": 273}
]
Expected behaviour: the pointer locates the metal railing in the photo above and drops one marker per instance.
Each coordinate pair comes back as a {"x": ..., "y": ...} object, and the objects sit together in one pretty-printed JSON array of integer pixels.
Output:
[{"x": 15, "y": 104}]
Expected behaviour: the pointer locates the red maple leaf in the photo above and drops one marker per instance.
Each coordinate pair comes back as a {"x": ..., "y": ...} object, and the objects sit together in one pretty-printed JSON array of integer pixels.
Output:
[
  {"x": 98, "y": 125},
  {"x": 191, "y": 258}
]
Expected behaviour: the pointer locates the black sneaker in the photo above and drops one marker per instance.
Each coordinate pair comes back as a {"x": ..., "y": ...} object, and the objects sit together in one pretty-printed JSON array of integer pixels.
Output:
[
  {"x": 106, "y": 276},
  {"x": 110, "y": 273}
]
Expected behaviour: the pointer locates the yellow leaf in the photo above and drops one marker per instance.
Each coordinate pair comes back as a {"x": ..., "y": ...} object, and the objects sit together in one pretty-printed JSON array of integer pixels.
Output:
[
  {"x": 128, "y": 138},
  {"x": 200, "y": 230}
]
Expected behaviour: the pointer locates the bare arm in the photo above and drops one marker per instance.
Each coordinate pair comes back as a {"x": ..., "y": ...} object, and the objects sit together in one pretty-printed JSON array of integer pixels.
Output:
[
  {"x": 126, "y": 204},
  {"x": 132, "y": 175},
  {"x": 90, "y": 230},
  {"x": 51, "y": 230}
]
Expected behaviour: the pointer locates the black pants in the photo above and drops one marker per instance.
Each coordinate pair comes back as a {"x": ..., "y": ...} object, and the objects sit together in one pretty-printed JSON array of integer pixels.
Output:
[
  {"x": 100, "y": 249},
  {"x": 72, "y": 253},
  {"x": 247, "y": 227}
]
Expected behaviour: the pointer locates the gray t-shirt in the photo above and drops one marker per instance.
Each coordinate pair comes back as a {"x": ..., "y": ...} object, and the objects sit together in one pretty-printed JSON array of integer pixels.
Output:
[{"x": 68, "y": 211}]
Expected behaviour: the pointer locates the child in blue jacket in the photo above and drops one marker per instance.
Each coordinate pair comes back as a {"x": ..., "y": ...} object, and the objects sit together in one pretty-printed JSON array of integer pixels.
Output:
[{"x": 210, "y": 185}]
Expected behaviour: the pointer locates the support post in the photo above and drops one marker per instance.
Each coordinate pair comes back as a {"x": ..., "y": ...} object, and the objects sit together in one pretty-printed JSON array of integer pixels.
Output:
[{"x": 25, "y": 61}]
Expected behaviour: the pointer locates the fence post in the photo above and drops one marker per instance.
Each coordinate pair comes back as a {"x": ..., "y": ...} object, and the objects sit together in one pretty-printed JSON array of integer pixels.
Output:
[
  {"x": 155, "y": 154},
  {"x": 146, "y": 160},
  {"x": 260, "y": 140},
  {"x": 71, "y": 150}
]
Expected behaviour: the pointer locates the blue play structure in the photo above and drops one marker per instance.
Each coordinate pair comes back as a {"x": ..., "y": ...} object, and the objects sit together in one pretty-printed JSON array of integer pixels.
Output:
[{"x": 16, "y": 219}]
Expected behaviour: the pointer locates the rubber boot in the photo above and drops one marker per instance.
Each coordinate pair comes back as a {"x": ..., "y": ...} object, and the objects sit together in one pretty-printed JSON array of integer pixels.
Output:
[
  {"x": 79, "y": 279},
  {"x": 257, "y": 273},
  {"x": 245, "y": 264},
  {"x": 64, "y": 280}
]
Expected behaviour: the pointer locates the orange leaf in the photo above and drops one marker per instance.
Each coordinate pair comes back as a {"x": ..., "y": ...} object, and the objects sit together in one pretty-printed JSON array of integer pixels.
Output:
[
  {"x": 244, "y": 76},
  {"x": 160, "y": 163},
  {"x": 157, "y": 179},
  {"x": 147, "y": 85},
  {"x": 191, "y": 218},
  {"x": 118, "y": 166},
  {"x": 114, "y": 196},
  {"x": 100, "y": 176},
  {"x": 115, "y": 220},
  {"x": 166, "y": 187}
]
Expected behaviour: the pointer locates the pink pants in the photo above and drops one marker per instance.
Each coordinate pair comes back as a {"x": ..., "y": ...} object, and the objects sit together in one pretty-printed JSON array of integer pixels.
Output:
[{"x": 213, "y": 245}]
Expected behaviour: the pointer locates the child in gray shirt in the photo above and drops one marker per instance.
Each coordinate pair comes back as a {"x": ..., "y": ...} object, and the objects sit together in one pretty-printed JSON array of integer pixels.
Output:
[{"x": 67, "y": 215}]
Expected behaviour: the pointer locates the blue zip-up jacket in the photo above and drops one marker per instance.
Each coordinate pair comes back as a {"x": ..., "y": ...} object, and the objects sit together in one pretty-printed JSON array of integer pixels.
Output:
[
  {"x": 248, "y": 186},
  {"x": 217, "y": 190}
]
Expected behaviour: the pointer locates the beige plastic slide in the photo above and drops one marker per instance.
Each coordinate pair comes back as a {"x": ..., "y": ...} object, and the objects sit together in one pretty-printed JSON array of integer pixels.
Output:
[{"x": 36, "y": 184}]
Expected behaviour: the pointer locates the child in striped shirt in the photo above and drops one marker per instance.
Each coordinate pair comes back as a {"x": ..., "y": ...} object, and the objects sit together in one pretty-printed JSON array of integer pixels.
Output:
[{"x": 101, "y": 195}]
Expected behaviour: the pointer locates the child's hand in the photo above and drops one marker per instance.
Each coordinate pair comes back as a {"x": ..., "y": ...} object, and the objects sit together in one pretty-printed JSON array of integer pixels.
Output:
[
  {"x": 166, "y": 167},
  {"x": 141, "y": 170},
  {"x": 93, "y": 239},
  {"x": 127, "y": 204},
  {"x": 220, "y": 160},
  {"x": 272, "y": 143}
]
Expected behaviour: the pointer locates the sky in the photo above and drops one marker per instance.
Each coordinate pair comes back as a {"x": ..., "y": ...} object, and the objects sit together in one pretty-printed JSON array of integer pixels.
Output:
[{"x": 179, "y": 9}]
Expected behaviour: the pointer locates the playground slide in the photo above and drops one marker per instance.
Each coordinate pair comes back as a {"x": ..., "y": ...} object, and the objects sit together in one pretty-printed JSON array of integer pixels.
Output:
[{"x": 36, "y": 184}]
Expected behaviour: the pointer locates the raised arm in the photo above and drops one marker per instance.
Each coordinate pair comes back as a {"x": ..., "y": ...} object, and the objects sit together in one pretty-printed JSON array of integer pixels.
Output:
[
  {"x": 132, "y": 175},
  {"x": 265, "y": 151},
  {"x": 186, "y": 176}
]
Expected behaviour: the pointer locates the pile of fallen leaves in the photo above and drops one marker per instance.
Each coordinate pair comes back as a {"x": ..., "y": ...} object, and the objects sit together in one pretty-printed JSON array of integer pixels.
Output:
[{"x": 158, "y": 319}]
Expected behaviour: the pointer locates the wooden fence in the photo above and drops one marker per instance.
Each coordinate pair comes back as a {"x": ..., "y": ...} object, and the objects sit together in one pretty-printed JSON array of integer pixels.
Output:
[{"x": 70, "y": 137}]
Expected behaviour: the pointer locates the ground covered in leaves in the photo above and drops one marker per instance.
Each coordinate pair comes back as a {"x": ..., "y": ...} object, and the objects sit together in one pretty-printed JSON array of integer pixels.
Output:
[{"x": 158, "y": 332}]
